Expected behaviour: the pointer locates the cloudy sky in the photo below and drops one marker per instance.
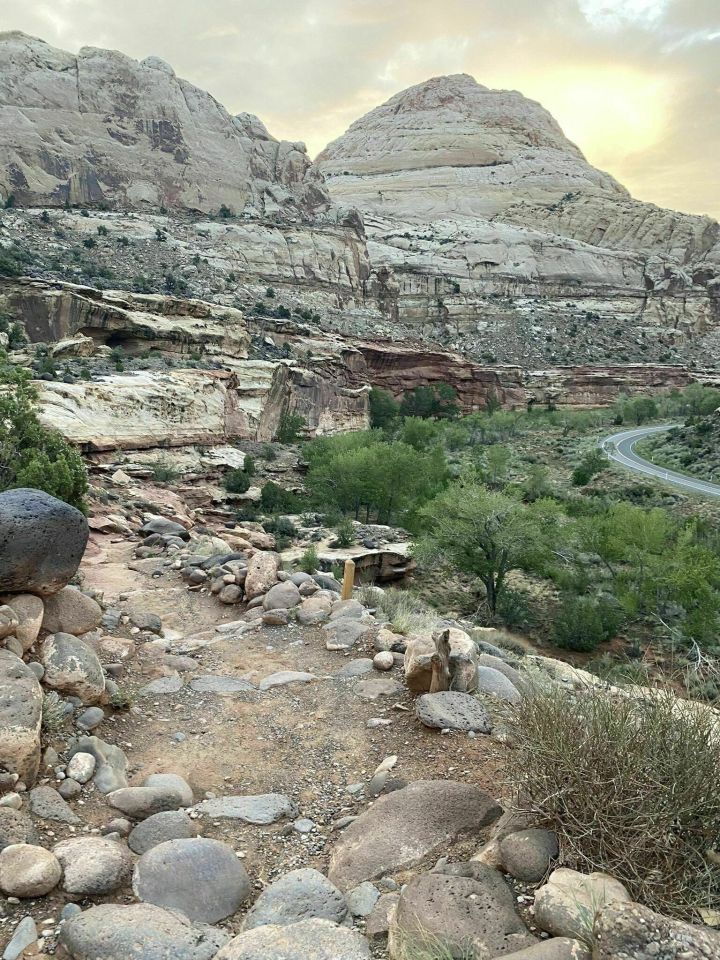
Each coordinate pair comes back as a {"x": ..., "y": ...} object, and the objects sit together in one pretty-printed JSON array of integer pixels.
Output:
[{"x": 636, "y": 83}]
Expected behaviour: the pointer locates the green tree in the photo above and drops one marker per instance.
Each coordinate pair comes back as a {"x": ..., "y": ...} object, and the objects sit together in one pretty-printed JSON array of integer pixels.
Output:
[
  {"x": 496, "y": 463},
  {"x": 592, "y": 463},
  {"x": 436, "y": 400},
  {"x": 476, "y": 531},
  {"x": 31, "y": 455},
  {"x": 290, "y": 427},
  {"x": 384, "y": 408}
]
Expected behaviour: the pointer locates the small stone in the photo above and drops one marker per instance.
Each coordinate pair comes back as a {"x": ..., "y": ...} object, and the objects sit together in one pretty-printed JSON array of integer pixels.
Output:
[
  {"x": 303, "y": 825},
  {"x": 69, "y": 789},
  {"x": 453, "y": 710},
  {"x": 70, "y": 910},
  {"x": 374, "y": 689},
  {"x": 90, "y": 718},
  {"x": 383, "y": 661},
  {"x": 13, "y": 800},
  {"x": 81, "y": 767},
  {"x": 168, "y": 825},
  {"x": 285, "y": 677},
  {"x": 528, "y": 854},
  {"x": 305, "y": 940},
  {"x": 362, "y": 899}
]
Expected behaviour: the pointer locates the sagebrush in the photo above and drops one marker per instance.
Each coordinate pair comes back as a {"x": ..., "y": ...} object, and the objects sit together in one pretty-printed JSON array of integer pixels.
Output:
[{"x": 631, "y": 784}]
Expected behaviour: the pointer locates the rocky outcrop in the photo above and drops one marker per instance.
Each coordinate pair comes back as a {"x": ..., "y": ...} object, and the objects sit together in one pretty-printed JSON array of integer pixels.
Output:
[
  {"x": 482, "y": 218},
  {"x": 101, "y": 128}
]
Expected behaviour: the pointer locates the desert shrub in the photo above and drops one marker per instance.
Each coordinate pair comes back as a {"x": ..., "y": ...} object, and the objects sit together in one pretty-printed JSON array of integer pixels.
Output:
[
  {"x": 632, "y": 788},
  {"x": 592, "y": 463},
  {"x": 268, "y": 452},
  {"x": 236, "y": 481},
  {"x": 54, "y": 715},
  {"x": 345, "y": 533},
  {"x": 163, "y": 472},
  {"x": 32, "y": 455},
  {"x": 309, "y": 560},
  {"x": 514, "y": 609},
  {"x": 281, "y": 527},
  {"x": 583, "y": 623}
]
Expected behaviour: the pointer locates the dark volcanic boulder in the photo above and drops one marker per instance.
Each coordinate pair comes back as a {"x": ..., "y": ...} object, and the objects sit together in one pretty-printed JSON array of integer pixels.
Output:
[{"x": 42, "y": 541}]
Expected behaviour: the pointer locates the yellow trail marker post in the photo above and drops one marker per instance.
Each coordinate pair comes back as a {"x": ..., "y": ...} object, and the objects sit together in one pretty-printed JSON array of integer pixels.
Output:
[{"x": 348, "y": 580}]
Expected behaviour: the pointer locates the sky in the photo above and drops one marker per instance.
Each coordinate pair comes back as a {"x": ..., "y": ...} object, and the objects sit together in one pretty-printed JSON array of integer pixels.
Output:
[{"x": 635, "y": 83}]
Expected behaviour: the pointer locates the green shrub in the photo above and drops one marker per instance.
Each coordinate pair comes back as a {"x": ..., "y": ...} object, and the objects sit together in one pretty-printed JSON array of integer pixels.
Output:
[
  {"x": 250, "y": 468},
  {"x": 583, "y": 623},
  {"x": 276, "y": 499},
  {"x": 383, "y": 408},
  {"x": 345, "y": 533},
  {"x": 236, "y": 481},
  {"x": 514, "y": 609},
  {"x": 281, "y": 526},
  {"x": 32, "y": 455},
  {"x": 631, "y": 786},
  {"x": 268, "y": 452},
  {"x": 592, "y": 463},
  {"x": 163, "y": 472},
  {"x": 291, "y": 424},
  {"x": 309, "y": 560}
]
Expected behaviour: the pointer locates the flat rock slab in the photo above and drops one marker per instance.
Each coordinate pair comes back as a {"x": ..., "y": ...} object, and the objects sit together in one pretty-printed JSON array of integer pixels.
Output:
[
  {"x": 299, "y": 895},
  {"x": 407, "y": 826},
  {"x": 284, "y": 677},
  {"x": 378, "y": 687},
  {"x": 307, "y": 940},
  {"x": 199, "y": 877},
  {"x": 221, "y": 685},
  {"x": 259, "y": 810},
  {"x": 451, "y": 710},
  {"x": 163, "y": 685},
  {"x": 356, "y": 668},
  {"x": 344, "y": 633},
  {"x": 110, "y": 932}
]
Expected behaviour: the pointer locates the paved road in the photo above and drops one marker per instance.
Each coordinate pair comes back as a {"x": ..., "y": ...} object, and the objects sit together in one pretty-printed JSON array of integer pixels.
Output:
[{"x": 620, "y": 447}]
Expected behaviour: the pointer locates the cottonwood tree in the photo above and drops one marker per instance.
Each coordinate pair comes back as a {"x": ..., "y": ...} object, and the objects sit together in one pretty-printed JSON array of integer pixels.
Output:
[{"x": 473, "y": 530}]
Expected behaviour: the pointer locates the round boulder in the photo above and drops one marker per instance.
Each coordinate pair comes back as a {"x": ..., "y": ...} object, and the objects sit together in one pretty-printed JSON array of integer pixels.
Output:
[
  {"x": 93, "y": 866},
  {"x": 282, "y": 596},
  {"x": 72, "y": 667},
  {"x": 262, "y": 573},
  {"x": 71, "y": 611},
  {"x": 28, "y": 871},
  {"x": 159, "y": 828},
  {"x": 201, "y": 878},
  {"x": 527, "y": 854},
  {"x": 42, "y": 541},
  {"x": 21, "y": 702}
]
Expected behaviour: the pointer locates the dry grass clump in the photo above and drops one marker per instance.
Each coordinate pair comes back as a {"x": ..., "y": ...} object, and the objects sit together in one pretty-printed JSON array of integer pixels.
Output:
[
  {"x": 405, "y": 612},
  {"x": 632, "y": 787}
]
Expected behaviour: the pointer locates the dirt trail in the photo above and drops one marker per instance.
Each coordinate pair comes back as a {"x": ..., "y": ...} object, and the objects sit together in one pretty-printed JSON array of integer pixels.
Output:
[{"x": 307, "y": 740}]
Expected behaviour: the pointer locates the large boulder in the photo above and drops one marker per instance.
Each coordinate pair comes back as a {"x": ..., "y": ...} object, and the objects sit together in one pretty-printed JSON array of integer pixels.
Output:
[
  {"x": 114, "y": 932},
  {"x": 299, "y": 895},
  {"x": 626, "y": 931},
  {"x": 21, "y": 701},
  {"x": 407, "y": 826},
  {"x": 201, "y": 878},
  {"x": 457, "y": 915},
  {"x": 72, "y": 667},
  {"x": 307, "y": 940},
  {"x": 93, "y": 866},
  {"x": 419, "y": 653},
  {"x": 262, "y": 573},
  {"x": 566, "y": 905},
  {"x": 71, "y": 611},
  {"x": 42, "y": 541}
]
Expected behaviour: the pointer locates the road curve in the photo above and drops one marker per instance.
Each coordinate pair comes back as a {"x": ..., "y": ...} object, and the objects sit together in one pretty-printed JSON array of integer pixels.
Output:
[{"x": 620, "y": 447}]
